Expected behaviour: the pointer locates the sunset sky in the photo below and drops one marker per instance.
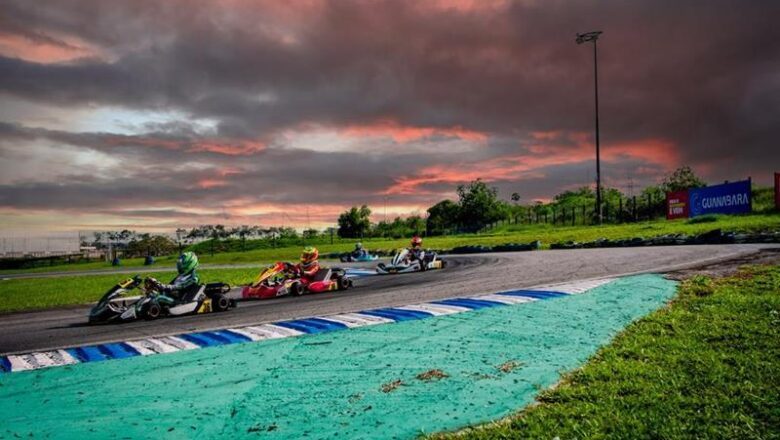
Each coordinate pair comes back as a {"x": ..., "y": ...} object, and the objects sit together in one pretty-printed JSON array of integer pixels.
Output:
[{"x": 153, "y": 115}]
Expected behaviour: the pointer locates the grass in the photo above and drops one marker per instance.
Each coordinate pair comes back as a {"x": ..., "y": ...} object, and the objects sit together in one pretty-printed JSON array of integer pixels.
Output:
[
  {"x": 44, "y": 293},
  {"x": 91, "y": 265},
  {"x": 546, "y": 233},
  {"x": 705, "y": 367}
]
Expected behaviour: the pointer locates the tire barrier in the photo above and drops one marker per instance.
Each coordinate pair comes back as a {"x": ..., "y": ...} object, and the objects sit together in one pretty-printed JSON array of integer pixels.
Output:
[{"x": 716, "y": 236}]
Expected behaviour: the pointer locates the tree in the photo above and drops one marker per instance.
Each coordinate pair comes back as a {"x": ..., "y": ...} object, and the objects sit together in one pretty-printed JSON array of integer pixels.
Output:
[
  {"x": 382, "y": 229},
  {"x": 155, "y": 245},
  {"x": 443, "y": 217},
  {"x": 242, "y": 232},
  {"x": 480, "y": 206},
  {"x": 354, "y": 223},
  {"x": 584, "y": 196},
  {"x": 682, "y": 178},
  {"x": 654, "y": 199},
  {"x": 415, "y": 224}
]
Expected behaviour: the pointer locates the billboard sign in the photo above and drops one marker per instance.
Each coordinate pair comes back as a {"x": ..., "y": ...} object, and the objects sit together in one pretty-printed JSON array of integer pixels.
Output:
[
  {"x": 676, "y": 205},
  {"x": 777, "y": 191},
  {"x": 728, "y": 198}
]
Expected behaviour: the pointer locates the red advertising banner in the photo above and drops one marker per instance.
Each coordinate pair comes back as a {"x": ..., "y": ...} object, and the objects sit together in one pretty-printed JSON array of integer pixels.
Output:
[
  {"x": 777, "y": 191},
  {"x": 677, "y": 205}
]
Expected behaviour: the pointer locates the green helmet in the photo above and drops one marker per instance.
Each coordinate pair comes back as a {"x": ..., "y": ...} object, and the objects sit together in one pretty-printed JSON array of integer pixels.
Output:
[{"x": 187, "y": 262}]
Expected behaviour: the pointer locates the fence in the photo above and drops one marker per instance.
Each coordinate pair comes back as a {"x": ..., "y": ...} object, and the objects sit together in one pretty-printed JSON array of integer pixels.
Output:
[
  {"x": 28, "y": 246},
  {"x": 622, "y": 210}
]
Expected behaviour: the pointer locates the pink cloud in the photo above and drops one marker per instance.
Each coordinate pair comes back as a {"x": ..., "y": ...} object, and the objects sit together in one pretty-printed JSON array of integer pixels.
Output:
[
  {"x": 44, "y": 50},
  {"x": 404, "y": 133},
  {"x": 548, "y": 149},
  {"x": 211, "y": 183},
  {"x": 229, "y": 148}
]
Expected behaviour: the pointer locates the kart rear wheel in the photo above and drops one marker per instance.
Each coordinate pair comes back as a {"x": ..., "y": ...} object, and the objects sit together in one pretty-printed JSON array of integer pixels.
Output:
[
  {"x": 153, "y": 311},
  {"x": 296, "y": 289},
  {"x": 343, "y": 283},
  {"x": 220, "y": 303}
]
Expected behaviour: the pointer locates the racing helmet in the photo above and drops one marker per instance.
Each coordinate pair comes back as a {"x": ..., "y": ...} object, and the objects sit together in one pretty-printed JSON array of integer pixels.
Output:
[
  {"x": 187, "y": 262},
  {"x": 309, "y": 256},
  {"x": 358, "y": 246},
  {"x": 416, "y": 241}
]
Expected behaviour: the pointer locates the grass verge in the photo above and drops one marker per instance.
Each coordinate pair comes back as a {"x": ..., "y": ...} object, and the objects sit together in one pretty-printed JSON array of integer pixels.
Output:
[
  {"x": 42, "y": 293},
  {"x": 705, "y": 367}
]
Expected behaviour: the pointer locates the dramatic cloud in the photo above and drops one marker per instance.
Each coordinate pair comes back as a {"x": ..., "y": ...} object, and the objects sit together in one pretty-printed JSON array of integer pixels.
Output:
[{"x": 156, "y": 114}]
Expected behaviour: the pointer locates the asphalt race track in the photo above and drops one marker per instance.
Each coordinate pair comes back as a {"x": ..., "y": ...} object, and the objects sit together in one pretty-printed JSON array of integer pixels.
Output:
[{"x": 464, "y": 275}]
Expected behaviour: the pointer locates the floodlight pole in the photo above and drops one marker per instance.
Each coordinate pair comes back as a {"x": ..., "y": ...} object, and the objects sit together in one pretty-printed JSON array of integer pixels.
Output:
[{"x": 583, "y": 38}]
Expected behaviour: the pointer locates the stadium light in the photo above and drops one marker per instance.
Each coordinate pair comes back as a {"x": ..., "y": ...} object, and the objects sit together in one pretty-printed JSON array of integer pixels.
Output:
[{"x": 585, "y": 38}]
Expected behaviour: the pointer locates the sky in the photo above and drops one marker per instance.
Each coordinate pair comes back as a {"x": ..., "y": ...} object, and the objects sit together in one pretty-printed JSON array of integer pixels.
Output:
[{"x": 153, "y": 115}]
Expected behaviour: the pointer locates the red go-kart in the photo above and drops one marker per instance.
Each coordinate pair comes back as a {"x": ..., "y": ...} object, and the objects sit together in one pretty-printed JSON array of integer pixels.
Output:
[{"x": 282, "y": 279}]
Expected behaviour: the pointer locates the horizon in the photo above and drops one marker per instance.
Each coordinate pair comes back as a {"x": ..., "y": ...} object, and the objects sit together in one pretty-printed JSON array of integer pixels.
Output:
[{"x": 151, "y": 116}]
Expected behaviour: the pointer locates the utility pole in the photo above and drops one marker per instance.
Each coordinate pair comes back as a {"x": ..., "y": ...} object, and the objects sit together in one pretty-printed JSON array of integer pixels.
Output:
[{"x": 584, "y": 38}]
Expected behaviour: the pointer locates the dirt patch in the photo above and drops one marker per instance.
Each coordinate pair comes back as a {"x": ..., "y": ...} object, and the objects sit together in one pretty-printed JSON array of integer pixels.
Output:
[
  {"x": 508, "y": 366},
  {"x": 390, "y": 386},
  {"x": 728, "y": 267},
  {"x": 432, "y": 375}
]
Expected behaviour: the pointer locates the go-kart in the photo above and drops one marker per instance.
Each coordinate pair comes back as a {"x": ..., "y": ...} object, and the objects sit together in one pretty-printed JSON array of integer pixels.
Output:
[
  {"x": 122, "y": 303},
  {"x": 280, "y": 279},
  {"x": 404, "y": 261},
  {"x": 356, "y": 257}
]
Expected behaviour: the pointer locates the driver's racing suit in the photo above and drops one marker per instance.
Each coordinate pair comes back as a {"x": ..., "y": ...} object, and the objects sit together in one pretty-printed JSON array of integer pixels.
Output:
[
  {"x": 307, "y": 272},
  {"x": 183, "y": 287},
  {"x": 417, "y": 253}
]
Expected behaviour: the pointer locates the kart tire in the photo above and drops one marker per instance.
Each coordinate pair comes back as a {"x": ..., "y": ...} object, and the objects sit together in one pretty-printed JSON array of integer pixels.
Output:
[
  {"x": 220, "y": 303},
  {"x": 443, "y": 264},
  {"x": 296, "y": 289},
  {"x": 343, "y": 283},
  {"x": 153, "y": 311}
]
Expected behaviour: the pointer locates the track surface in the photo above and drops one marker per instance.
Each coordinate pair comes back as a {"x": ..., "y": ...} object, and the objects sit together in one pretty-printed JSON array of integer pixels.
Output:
[{"x": 465, "y": 275}]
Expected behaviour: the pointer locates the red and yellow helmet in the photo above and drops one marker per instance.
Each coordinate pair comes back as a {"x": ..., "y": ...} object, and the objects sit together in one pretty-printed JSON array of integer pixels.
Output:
[
  {"x": 416, "y": 241},
  {"x": 310, "y": 254}
]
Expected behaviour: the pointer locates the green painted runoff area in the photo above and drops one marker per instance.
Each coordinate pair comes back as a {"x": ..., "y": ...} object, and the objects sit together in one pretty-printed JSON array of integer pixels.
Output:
[{"x": 359, "y": 383}]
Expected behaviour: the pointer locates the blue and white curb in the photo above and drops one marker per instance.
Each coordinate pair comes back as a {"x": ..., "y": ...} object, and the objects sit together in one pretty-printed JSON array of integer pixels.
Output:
[{"x": 285, "y": 329}]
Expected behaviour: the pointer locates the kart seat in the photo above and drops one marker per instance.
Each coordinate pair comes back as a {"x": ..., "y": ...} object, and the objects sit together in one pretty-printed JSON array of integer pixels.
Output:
[
  {"x": 322, "y": 274},
  {"x": 189, "y": 294}
]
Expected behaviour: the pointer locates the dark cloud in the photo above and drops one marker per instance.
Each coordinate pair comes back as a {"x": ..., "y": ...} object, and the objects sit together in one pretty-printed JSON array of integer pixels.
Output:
[{"x": 701, "y": 75}]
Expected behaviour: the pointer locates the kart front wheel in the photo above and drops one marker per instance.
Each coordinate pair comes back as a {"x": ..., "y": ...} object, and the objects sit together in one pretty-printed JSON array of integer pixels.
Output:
[
  {"x": 220, "y": 303},
  {"x": 296, "y": 289}
]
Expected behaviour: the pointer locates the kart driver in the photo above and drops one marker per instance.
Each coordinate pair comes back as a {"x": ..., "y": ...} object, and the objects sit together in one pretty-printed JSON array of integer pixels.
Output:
[
  {"x": 186, "y": 282},
  {"x": 416, "y": 252},
  {"x": 310, "y": 264},
  {"x": 359, "y": 252}
]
